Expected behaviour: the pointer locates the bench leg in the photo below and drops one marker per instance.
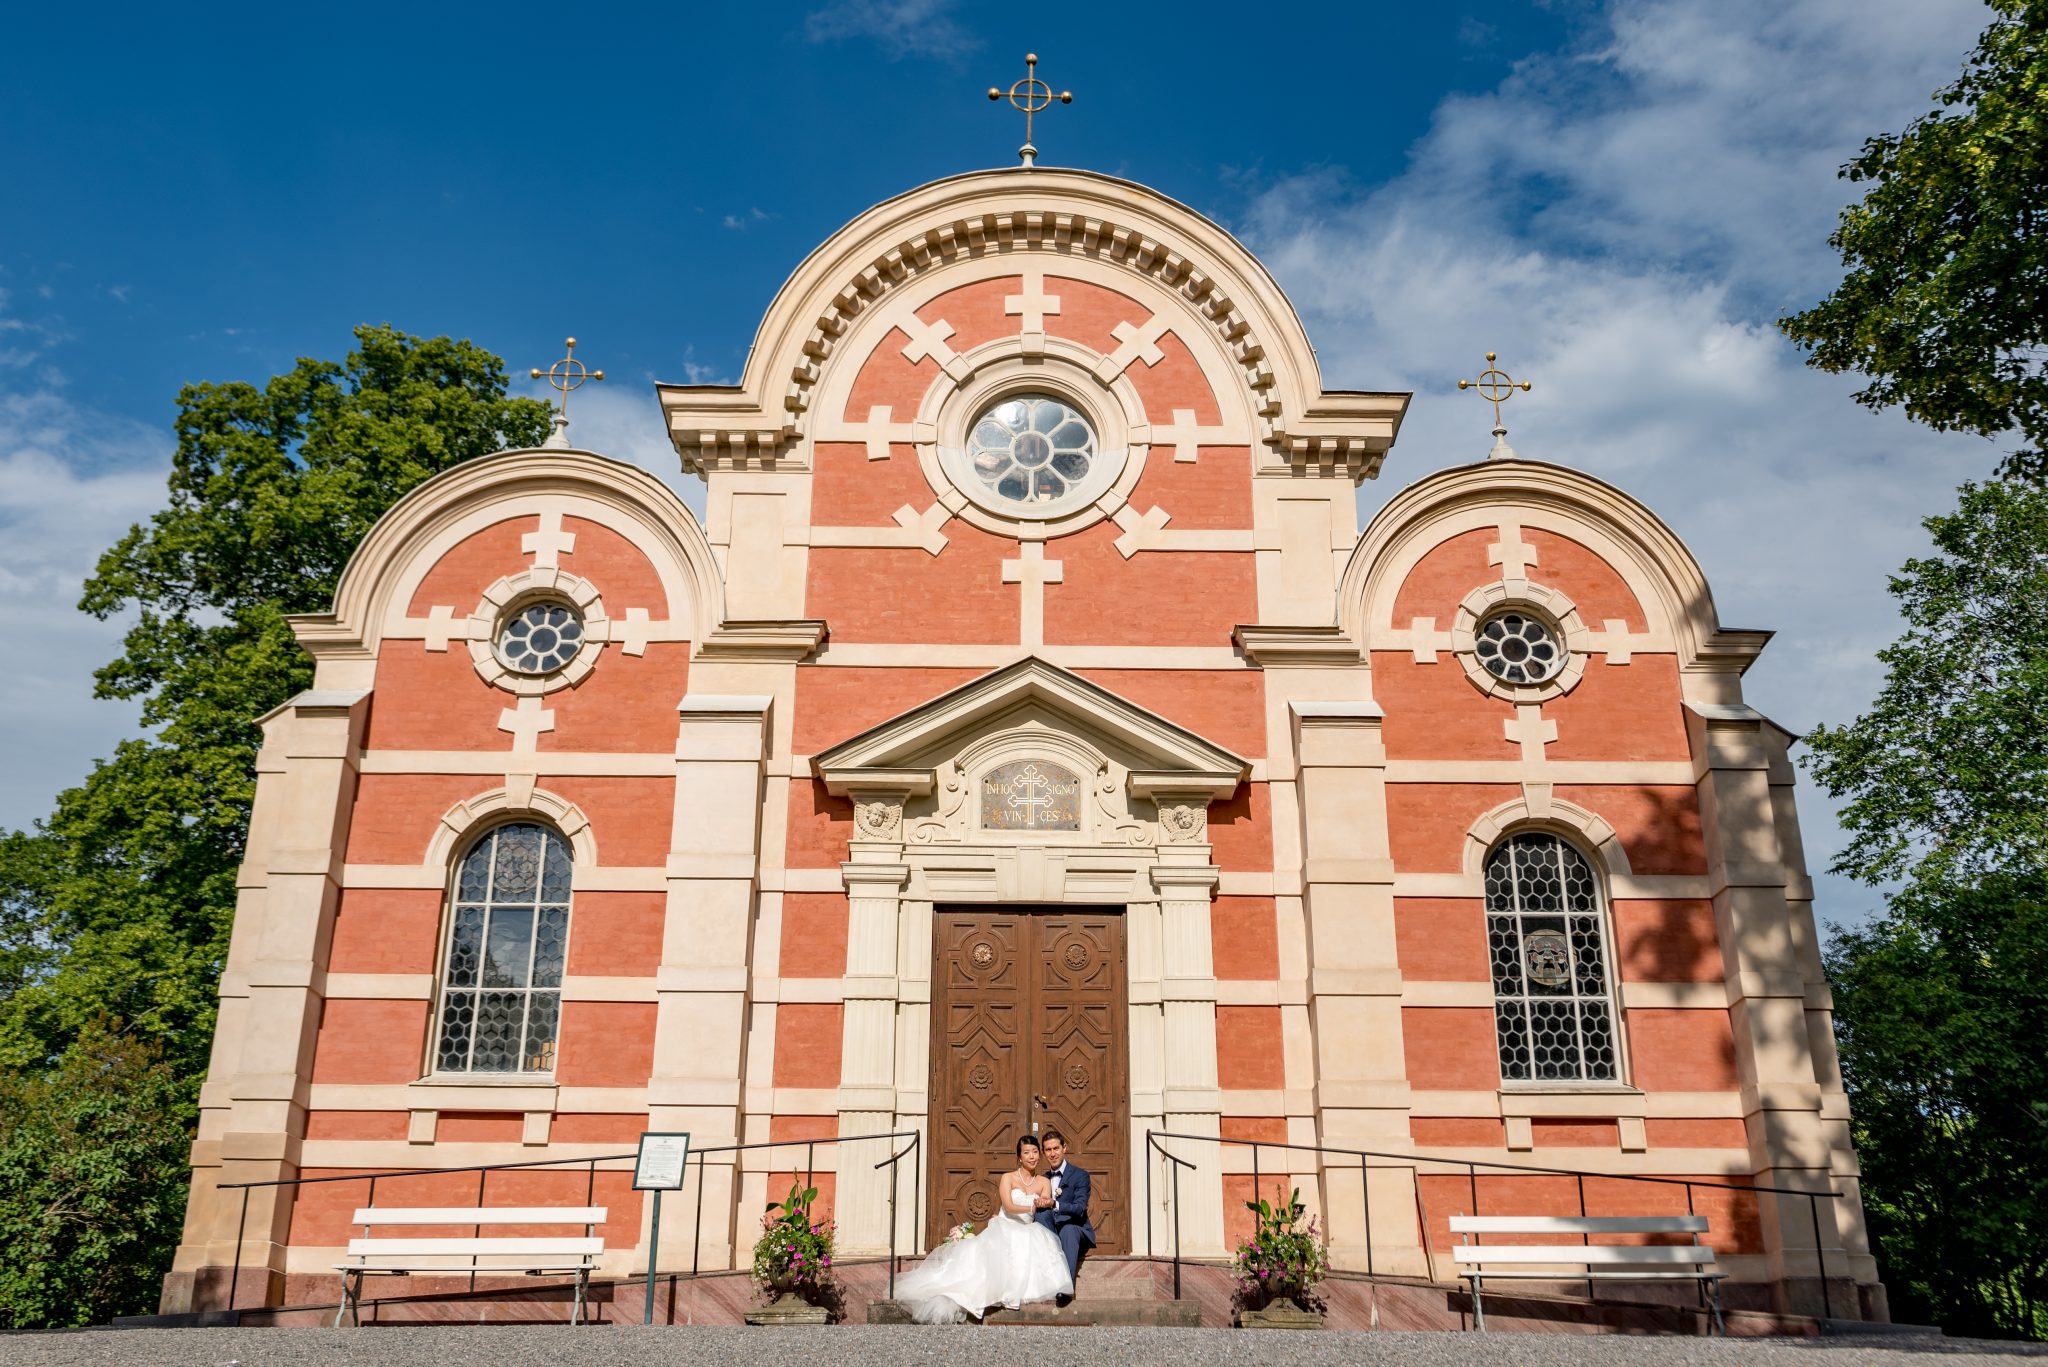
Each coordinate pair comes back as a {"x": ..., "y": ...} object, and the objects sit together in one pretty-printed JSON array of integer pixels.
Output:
[
  {"x": 1720, "y": 1324},
  {"x": 1478, "y": 1305},
  {"x": 351, "y": 1298},
  {"x": 576, "y": 1312}
]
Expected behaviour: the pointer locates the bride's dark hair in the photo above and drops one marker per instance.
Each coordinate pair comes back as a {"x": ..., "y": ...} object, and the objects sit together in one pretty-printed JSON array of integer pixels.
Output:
[{"x": 1030, "y": 1139}]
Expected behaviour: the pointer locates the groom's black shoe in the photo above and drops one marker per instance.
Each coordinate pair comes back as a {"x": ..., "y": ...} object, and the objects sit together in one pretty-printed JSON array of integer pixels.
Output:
[{"x": 1063, "y": 1300}]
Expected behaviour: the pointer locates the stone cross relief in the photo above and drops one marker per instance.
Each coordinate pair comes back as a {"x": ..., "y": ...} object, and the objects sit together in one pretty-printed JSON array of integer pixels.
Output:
[{"x": 1033, "y": 572}]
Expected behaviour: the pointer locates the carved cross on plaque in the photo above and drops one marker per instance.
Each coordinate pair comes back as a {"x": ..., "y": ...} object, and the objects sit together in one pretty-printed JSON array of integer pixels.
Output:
[{"x": 1030, "y": 795}]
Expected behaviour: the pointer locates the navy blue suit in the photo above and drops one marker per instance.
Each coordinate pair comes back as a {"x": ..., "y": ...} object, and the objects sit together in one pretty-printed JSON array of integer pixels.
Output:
[{"x": 1068, "y": 1217}]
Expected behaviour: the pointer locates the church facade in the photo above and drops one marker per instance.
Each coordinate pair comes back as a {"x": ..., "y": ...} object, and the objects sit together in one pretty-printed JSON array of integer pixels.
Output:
[{"x": 1028, "y": 736}]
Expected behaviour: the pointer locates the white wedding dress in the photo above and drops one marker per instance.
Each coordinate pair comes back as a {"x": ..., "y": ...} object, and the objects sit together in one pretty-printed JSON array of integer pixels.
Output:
[{"x": 1012, "y": 1262}]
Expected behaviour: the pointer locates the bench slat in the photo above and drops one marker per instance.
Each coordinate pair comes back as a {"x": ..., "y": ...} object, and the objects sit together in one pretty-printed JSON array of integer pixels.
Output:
[
  {"x": 1578, "y": 1224},
  {"x": 420, "y": 1265},
  {"x": 464, "y": 1248},
  {"x": 1633, "y": 1274},
  {"x": 479, "y": 1215},
  {"x": 1575, "y": 1253}
]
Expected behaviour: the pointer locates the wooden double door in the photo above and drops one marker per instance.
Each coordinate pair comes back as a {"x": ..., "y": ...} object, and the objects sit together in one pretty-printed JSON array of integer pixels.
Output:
[{"x": 1029, "y": 1032}]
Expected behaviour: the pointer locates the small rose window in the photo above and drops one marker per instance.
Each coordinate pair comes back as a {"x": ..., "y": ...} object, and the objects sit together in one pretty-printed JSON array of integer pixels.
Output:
[
  {"x": 1031, "y": 450},
  {"x": 1518, "y": 647},
  {"x": 541, "y": 637}
]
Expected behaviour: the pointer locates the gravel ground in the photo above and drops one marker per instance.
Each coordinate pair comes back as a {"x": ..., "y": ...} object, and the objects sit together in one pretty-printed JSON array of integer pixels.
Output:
[{"x": 885, "y": 1346}]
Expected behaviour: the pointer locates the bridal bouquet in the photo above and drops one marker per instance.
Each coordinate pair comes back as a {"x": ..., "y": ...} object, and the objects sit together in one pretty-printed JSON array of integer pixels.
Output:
[
  {"x": 1284, "y": 1259},
  {"x": 963, "y": 1230},
  {"x": 793, "y": 1256}
]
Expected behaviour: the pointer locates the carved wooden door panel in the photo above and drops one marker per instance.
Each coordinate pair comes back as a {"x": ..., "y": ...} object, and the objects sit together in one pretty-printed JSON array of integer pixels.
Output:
[{"x": 1028, "y": 1025}]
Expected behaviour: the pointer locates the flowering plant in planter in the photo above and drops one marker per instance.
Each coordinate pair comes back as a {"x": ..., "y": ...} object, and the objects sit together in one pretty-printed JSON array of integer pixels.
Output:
[
  {"x": 793, "y": 1256},
  {"x": 1284, "y": 1259}
]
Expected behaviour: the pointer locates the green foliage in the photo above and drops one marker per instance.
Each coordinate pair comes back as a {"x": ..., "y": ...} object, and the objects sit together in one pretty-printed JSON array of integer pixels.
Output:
[
  {"x": 1284, "y": 1258},
  {"x": 92, "y": 1180},
  {"x": 794, "y": 1253},
  {"x": 119, "y": 904},
  {"x": 1942, "y": 1003},
  {"x": 1945, "y": 303}
]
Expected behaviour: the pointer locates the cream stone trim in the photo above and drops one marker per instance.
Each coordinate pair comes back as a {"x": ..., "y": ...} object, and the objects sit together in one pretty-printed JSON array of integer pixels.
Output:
[
  {"x": 587, "y": 878},
  {"x": 1520, "y": 495},
  {"x": 470, "y": 1093},
  {"x": 540, "y": 763},
  {"x": 1607, "y": 1103},
  {"x": 378, "y": 986},
  {"x": 1537, "y": 810},
  {"x": 924, "y": 655},
  {"x": 1620, "y": 887},
  {"x": 1539, "y": 600},
  {"x": 1660, "y": 773},
  {"x": 371, "y": 600},
  {"x": 1045, "y": 220},
  {"x": 512, "y": 594},
  {"x": 459, "y": 825}
]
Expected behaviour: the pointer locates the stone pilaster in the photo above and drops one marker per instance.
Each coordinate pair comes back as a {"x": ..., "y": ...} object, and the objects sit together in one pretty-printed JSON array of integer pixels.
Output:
[
  {"x": 703, "y": 983},
  {"x": 253, "y": 1106},
  {"x": 875, "y": 876},
  {"x": 1362, "y": 1095},
  {"x": 1763, "y": 917}
]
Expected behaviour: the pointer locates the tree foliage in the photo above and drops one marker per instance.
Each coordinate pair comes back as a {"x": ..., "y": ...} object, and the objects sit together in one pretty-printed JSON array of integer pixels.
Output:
[
  {"x": 119, "y": 904},
  {"x": 1942, "y": 1003},
  {"x": 92, "y": 1180},
  {"x": 1945, "y": 304}
]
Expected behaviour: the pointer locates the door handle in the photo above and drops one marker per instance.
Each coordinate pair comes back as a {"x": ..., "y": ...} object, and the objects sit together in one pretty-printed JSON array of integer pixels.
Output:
[{"x": 1043, "y": 1104}]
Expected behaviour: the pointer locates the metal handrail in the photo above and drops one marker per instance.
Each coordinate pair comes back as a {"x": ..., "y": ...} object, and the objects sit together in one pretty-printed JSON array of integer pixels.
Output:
[
  {"x": 590, "y": 1163},
  {"x": 1414, "y": 1161}
]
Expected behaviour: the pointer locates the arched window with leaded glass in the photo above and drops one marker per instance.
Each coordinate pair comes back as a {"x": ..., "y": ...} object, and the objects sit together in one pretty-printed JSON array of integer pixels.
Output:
[
  {"x": 508, "y": 934},
  {"x": 1547, "y": 933}
]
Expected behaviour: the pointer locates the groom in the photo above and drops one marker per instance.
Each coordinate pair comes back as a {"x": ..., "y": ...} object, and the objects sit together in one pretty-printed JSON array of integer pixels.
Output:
[{"x": 1066, "y": 1213}]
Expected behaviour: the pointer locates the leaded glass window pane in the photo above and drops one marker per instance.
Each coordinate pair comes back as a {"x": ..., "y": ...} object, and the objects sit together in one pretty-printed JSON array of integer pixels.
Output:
[
  {"x": 1546, "y": 942},
  {"x": 508, "y": 937}
]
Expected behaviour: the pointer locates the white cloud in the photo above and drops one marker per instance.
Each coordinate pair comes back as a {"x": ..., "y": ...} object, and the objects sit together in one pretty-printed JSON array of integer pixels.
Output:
[
  {"x": 71, "y": 482},
  {"x": 901, "y": 28},
  {"x": 1622, "y": 222}
]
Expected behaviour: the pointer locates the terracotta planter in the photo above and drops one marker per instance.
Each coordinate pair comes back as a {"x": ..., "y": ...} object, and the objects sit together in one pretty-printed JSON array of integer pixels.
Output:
[{"x": 1279, "y": 1312}]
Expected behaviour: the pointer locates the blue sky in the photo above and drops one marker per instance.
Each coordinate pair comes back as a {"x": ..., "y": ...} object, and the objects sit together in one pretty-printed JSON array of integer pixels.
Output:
[{"x": 1619, "y": 199}]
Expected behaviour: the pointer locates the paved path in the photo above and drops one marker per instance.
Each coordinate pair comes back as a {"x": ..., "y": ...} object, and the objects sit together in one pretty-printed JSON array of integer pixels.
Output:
[{"x": 968, "y": 1346}]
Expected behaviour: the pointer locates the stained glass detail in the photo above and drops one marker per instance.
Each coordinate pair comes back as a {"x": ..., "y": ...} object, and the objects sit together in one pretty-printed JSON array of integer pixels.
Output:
[
  {"x": 1552, "y": 1008},
  {"x": 508, "y": 943},
  {"x": 1518, "y": 648},
  {"x": 1031, "y": 449},
  {"x": 541, "y": 637}
]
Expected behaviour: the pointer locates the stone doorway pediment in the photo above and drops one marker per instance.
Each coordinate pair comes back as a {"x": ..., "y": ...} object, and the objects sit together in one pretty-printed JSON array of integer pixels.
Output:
[{"x": 1125, "y": 754}]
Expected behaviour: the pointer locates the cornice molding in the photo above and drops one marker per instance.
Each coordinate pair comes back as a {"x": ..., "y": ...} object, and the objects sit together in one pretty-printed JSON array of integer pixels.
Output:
[{"x": 1073, "y": 214}]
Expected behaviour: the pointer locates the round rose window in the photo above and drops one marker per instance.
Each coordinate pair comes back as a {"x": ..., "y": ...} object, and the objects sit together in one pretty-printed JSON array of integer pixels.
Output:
[
  {"x": 541, "y": 637},
  {"x": 1518, "y": 648},
  {"x": 1032, "y": 451}
]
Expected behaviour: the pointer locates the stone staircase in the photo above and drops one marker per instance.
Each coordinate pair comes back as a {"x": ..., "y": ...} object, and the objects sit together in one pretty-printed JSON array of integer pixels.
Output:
[{"x": 1097, "y": 1301}]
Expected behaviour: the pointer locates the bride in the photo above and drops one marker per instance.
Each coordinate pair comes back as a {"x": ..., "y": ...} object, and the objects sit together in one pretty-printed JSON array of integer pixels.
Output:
[{"x": 1013, "y": 1261}]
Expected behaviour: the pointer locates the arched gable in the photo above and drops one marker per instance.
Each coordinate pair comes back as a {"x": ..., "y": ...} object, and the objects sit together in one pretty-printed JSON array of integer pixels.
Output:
[
  {"x": 375, "y": 599},
  {"x": 892, "y": 260},
  {"x": 1505, "y": 518}
]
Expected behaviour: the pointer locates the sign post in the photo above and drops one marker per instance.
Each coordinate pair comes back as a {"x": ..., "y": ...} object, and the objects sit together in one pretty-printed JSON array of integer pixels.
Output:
[{"x": 664, "y": 1157}]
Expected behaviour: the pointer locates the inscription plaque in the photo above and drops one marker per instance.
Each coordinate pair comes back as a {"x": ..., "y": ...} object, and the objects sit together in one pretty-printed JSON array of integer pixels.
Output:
[{"x": 1030, "y": 795}]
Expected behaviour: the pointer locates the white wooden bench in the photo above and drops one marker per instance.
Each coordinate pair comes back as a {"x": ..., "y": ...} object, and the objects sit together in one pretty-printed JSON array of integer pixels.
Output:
[
  {"x": 542, "y": 1256},
  {"x": 1478, "y": 1262}
]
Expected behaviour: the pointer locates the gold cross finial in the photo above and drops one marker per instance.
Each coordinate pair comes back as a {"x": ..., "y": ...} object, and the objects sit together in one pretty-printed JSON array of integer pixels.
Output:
[
  {"x": 1496, "y": 386},
  {"x": 1030, "y": 95},
  {"x": 567, "y": 375}
]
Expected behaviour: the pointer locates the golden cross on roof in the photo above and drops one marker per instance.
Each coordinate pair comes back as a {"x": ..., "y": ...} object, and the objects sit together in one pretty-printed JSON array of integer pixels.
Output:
[
  {"x": 1494, "y": 385},
  {"x": 567, "y": 375},
  {"x": 1030, "y": 95}
]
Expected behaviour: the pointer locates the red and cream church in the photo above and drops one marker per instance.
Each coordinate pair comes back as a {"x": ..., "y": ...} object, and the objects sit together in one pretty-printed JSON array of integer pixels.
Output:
[{"x": 1027, "y": 735}]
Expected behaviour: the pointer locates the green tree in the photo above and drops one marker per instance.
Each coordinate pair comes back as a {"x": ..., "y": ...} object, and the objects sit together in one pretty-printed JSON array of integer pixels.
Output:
[
  {"x": 119, "y": 904},
  {"x": 1942, "y": 1002},
  {"x": 92, "y": 1180},
  {"x": 1945, "y": 304}
]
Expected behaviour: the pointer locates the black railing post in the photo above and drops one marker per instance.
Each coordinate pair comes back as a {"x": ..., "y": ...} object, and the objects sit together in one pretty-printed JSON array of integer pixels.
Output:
[
  {"x": 1176, "y": 1231},
  {"x": 1148, "y": 1193},
  {"x": 810, "y": 1164},
  {"x": 1827, "y": 1304},
  {"x": 697, "y": 1228},
  {"x": 235, "y": 1278},
  {"x": 1472, "y": 1184},
  {"x": 1256, "y": 1193},
  {"x": 1365, "y": 1187}
]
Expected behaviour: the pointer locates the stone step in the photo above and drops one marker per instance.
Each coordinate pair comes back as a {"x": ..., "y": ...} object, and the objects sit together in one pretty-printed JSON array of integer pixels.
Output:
[{"x": 1123, "y": 1311}]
